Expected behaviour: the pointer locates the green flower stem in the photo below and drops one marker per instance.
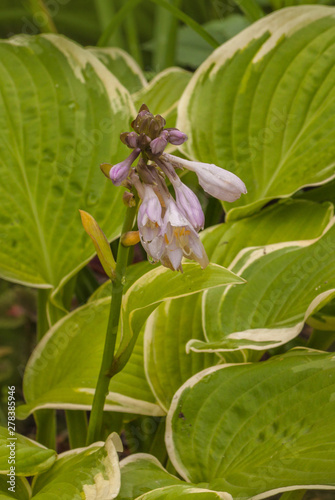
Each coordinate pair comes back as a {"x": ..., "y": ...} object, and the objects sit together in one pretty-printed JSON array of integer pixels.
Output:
[
  {"x": 45, "y": 419},
  {"x": 95, "y": 423},
  {"x": 42, "y": 16}
]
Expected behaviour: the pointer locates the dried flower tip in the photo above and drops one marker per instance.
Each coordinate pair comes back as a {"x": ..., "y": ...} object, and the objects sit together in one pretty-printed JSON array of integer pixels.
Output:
[{"x": 128, "y": 199}]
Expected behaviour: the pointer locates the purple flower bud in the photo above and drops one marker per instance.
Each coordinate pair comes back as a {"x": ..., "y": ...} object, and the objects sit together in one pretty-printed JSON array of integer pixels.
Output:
[
  {"x": 176, "y": 137},
  {"x": 158, "y": 145},
  {"x": 189, "y": 205},
  {"x": 120, "y": 171},
  {"x": 216, "y": 181},
  {"x": 129, "y": 139}
]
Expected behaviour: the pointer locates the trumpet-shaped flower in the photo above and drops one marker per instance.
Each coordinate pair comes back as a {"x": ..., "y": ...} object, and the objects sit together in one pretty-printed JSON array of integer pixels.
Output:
[
  {"x": 149, "y": 222},
  {"x": 216, "y": 181},
  {"x": 189, "y": 205},
  {"x": 167, "y": 227},
  {"x": 180, "y": 239}
]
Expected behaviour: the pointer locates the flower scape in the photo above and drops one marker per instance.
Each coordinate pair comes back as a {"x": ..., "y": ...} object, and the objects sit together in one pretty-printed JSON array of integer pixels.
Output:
[{"x": 168, "y": 227}]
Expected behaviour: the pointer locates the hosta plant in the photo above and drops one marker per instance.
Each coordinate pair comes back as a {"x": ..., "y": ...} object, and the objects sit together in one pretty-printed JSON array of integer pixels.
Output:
[{"x": 202, "y": 365}]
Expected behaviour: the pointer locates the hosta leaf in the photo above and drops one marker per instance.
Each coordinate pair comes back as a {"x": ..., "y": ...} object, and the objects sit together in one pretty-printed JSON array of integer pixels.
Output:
[
  {"x": 249, "y": 429},
  {"x": 174, "y": 323},
  {"x": 29, "y": 457},
  {"x": 291, "y": 220},
  {"x": 262, "y": 105},
  {"x": 141, "y": 473},
  {"x": 61, "y": 115},
  {"x": 162, "y": 94},
  {"x": 122, "y": 65},
  {"x": 22, "y": 489},
  {"x": 286, "y": 283},
  {"x": 91, "y": 472},
  {"x": 167, "y": 331},
  {"x": 159, "y": 285},
  {"x": 63, "y": 370},
  {"x": 184, "y": 491}
]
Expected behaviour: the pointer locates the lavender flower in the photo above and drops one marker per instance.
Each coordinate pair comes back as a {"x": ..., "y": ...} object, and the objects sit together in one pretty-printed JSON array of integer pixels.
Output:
[
  {"x": 168, "y": 228},
  {"x": 180, "y": 239}
]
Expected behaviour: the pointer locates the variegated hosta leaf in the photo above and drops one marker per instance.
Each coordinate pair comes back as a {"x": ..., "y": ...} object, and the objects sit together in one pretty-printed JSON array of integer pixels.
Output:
[
  {"x": 28, "y": 457},
  {"x": 174, "y": 323},
  {"x": 21, "y": 490},
  {"x": 141, "y": 473},
  {"x": 61, "y": 115},
  {"x": 91, "y": 472},
  {"x": 160, "y": 285},
  {"x": 63, "y": 370},
  {"x": 167, "y": 331},
  {"x": 290, "y": 220},
  {"x": 162, "y": 94},
  {"x": 250, "y": 429},
  {"x": 122, "y": 65},
  {"x": 325, "y": 318},
  {"x": 286, "y": 283},
  {"x": 263, "y": 106},
  {"x": 186, "y": 492}
]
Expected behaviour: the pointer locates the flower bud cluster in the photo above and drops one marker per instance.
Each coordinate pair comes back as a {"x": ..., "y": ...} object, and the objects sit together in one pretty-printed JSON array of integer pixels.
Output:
[{"x": 168, "y": 227}]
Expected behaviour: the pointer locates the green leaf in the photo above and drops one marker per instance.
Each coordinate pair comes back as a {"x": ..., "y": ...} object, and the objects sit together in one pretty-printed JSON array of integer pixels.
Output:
[
  {"x": 262, "y": 105},
  {"x": 162, "y": 94},
  {"x": 159, "y": 285},
  {"x": 91, "y": 472},
  {"x": 167, "y": 331},
  {"x": 184, "y": 491},
  {"x": 28, "y": 457},
  {"x": 133, "y": 273},
  {"x": 249, "y": 429},
  {"x": 286, "y": 283},
  {"x": 275, "y": 224},
  {"x": 122, "y": 65},
  {"x": 141, "y": 473},
  {"x": 22, "y": 489},
  {"x": 61, "y": 116},
  {"x": 63, "y": 370},
  {"x": 325, "y": 318},
  {"x": 193, "y": 50},
  {"x": 175, "y": 323}
]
